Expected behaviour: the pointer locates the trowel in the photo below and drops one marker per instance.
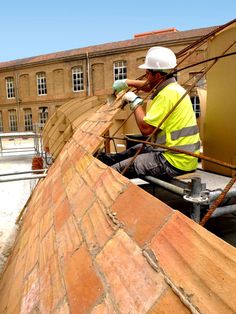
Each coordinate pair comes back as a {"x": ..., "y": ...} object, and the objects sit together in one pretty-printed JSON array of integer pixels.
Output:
[{"x": 111, "y": 98}]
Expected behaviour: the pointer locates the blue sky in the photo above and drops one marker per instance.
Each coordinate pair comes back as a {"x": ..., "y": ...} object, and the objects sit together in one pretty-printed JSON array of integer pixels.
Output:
[{"x": 30, "y": 28}]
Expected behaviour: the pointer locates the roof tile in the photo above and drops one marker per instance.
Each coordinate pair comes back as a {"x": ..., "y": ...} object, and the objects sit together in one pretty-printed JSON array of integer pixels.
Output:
[
  {"x": 109, "y": 186},
  {"x": 68, "y": 239},
  {"x": 62, "y": 213},
  {"x": 52, "y": 290},
  {"x": 96, "y": 228},
  {"x": 30, "y": 299},
  {"x": 82, "y": 201},
  {"x": 169, "y": 303},
  {"x": 195, "y": 253},
  {"x": 141, "y": 217},
  {"x": 83, "y": 285},
  {"x": 133, "y": 284}
]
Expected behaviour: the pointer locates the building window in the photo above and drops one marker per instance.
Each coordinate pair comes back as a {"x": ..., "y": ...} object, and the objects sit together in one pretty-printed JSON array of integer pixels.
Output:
[
  {"x": 120, "y": 70},
  {"x": 196, "y": 105},
  {"x": 77, "y": 79},
  {"x": 10, "y": 87},
  {"x": 28, "y": 124},
  {"x": 41, "y": 83},
  {"x": 1, "y": 122},
  {"x": 12, "y": 120},
  {"x": 43, "y": 115}
]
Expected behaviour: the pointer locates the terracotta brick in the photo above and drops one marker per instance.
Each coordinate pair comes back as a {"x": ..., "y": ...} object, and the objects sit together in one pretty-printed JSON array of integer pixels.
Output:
[
  {"x": 102, "y": 127},
  {"x": 82, "y": 201},
  {"x": 74, "y": 186},
  {"x": 93, "y": 143},
  {"x": 62, "y": 308},
  {"x": 142, "y": 214},
  {"x": 192, "y": 258},
  {"x": 52, "y": 290},
  {"x": 93, "y": 172},
  {"x": 62, "y": 213},
  {"x": 78, "y": 136},
  {"x": 20, "y": 260},
  {"x": 95, "y": 227},
  {"x": 83, "y": 286},
  {"x": 106, "y": 307},
  {"x": 109, "y": 186},
  {"x": 46, "y": 222},
  {"x": 47, "y": 248},
  {"x": 87, "y": 126},
  {"x": 77, "y": 154},
  {"x": 82, "y": 164},
  {"x": 135, "y": 286},
  {"x": 30, "y": 291},
  {"x": 46, "y": 198},
  {"x": 32, "y": 256},
  {"x": 169, "y": 303},
  {"x": 67, "y": 174},
  {"x": 15, "y": 294},
  {"x": 58, "y": 190},
  {"x": 68, "y": 238}
]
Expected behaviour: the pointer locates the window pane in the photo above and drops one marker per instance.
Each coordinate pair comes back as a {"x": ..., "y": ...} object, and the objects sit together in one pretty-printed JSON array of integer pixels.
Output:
[
  {"x": 28, "y": 120},
  {"x": 1, "y": 122},
  {"x": 41, "y": 83},
  {"x": 120, "y": 70},
  {"x": 10, "y": 87},
  {"x": 196, "y": 105},
  {"x": 43, "y": 116},
  {"x": 77, "y": 79},
  {"x": 12, "y": 120}
]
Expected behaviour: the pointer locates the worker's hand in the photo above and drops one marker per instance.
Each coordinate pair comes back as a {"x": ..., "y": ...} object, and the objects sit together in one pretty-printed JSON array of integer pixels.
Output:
[
  {"x": 132, "y": 99},
  {"x": 119, "y": 85}
]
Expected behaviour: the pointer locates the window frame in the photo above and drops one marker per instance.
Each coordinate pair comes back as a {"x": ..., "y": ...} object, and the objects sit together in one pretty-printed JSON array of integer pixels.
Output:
[
  {"x": 28, "y": 120},
  {"x": 43, "y": 115},
  {"x": 195, "y": 100},
  {"x": 10, "y": 87},
  {"x": 119, "y": 70},
  {"x": 13, "y": 123},
  {"x": 77, "y": 77},
  {"x": 41, "y": 82},
  {"x": 1, "y": 122}
]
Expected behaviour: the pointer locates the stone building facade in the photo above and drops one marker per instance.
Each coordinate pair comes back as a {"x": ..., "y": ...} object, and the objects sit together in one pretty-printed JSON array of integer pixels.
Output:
[{"x": 31, "y": 89}]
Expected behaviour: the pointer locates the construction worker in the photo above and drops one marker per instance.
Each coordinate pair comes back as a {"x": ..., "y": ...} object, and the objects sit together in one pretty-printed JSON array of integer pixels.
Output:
[{"x": 179, "y": 130}]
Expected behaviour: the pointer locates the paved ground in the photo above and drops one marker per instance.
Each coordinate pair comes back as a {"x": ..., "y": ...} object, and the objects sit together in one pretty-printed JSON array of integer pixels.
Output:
[{"x": 13, "y": 195}]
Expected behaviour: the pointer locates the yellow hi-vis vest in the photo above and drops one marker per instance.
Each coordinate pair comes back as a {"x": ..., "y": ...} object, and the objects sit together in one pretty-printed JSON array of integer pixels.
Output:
[{"x": 179, "y": 130}]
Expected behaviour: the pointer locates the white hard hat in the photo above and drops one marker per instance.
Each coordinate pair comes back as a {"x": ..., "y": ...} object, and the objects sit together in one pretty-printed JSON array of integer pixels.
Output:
[{"x": 159, "y": 58}]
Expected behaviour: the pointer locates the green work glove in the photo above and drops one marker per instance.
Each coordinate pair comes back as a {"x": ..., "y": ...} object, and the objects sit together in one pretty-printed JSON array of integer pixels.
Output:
[
  {"x": 132, "y": 99},
  {"x": 119, "y": 85}
]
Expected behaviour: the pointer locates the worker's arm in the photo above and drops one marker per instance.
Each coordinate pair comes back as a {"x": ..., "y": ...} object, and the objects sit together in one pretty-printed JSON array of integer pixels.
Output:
[
  {"x": 139, "y": 84},
  {"x": 120, "y": 85},
  {"x": 135, "y": 103},
  {"x": 145, "y": 128}
]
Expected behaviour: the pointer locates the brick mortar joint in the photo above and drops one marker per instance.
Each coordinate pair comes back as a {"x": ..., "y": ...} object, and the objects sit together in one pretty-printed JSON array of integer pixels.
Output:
[{"x": 179, "y": 291}]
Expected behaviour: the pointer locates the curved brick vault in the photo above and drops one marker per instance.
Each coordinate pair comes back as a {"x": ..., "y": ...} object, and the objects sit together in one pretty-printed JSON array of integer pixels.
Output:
[{"x": 92, "y": 242}]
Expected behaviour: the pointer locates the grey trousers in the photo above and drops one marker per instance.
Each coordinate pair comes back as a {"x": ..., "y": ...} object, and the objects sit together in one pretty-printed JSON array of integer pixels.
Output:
[{"x": 149, "y": 162}]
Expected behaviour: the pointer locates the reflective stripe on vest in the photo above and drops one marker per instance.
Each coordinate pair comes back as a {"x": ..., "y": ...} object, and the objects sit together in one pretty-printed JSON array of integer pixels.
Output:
[
  {"x": 161, "y": 139},
  {"x": 189, "y": 147},
  {"x": 175, "y": 135},
  {"x": 187, "y": 131}
]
